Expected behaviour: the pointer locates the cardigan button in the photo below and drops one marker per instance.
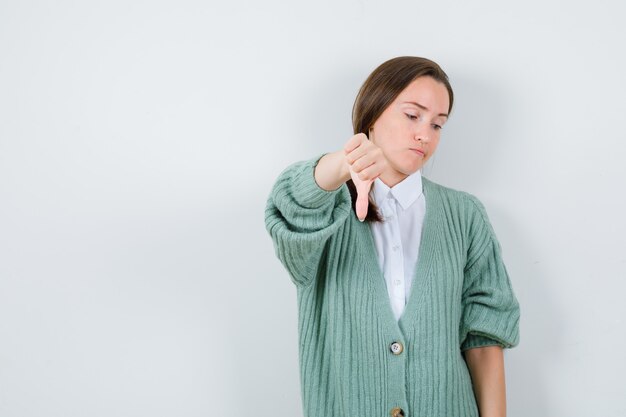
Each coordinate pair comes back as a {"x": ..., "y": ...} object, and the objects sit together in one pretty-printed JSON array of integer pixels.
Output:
[
  {"x": 397, "y": 412},
  {"x": 396, "y": 348}
]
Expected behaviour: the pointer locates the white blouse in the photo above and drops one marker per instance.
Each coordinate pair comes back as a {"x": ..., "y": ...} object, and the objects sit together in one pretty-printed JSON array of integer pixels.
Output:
[{"x": 398, "y": 238}]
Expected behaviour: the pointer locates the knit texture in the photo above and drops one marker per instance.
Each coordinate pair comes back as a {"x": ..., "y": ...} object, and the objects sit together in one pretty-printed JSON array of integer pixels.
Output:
[{"x": 461, "y": 298}]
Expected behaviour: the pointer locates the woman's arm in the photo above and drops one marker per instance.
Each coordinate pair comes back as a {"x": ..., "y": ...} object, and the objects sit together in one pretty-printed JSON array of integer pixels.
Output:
[
  {"x": 301, "y": 217},
  {"x": 486, "y": 366},
  {"x": 332, "y": 171}
]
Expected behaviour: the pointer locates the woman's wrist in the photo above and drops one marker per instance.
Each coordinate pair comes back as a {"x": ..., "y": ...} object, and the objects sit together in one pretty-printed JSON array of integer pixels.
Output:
[{"x": 332, "y": 171}]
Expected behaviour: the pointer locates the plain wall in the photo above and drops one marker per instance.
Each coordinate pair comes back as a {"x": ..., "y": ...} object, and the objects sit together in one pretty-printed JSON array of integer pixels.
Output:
[{"x": 139, "y": 142}]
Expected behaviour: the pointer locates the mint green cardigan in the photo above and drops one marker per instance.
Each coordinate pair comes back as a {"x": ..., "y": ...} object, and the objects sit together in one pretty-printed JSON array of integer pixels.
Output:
[{"x": 461, "y": 298}]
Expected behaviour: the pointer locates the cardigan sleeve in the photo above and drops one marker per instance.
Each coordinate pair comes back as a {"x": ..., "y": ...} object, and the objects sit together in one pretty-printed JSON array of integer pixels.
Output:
[
  {"x": 491, "y": 311},
  {"x": 300, "y": 217}
]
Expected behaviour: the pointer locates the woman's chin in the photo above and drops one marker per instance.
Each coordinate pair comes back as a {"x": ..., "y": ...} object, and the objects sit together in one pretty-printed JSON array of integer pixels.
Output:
[
  {"x": 410, "y": 167},
  {"x": 406, "y": 170},
  {"x": 406, "y": 163}
]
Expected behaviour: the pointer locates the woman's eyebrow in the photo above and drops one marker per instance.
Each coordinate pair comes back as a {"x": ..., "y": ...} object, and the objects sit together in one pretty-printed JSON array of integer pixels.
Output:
[{"x": 424, "y": 107}]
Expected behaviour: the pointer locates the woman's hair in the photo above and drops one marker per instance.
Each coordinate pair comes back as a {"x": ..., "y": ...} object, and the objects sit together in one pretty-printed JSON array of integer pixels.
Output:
[{"x": 378, "y": 91}]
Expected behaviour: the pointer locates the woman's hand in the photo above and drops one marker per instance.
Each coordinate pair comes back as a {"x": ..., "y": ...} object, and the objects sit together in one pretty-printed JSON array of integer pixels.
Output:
[{"x": 366, "y": 162}]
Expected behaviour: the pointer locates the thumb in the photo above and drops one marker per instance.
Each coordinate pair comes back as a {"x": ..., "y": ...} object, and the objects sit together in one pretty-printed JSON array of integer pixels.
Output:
[{"x": 362, "y": 191}]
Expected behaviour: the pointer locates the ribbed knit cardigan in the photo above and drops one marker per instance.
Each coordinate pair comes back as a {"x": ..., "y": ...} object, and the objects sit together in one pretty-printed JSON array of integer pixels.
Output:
[{"x": 461, "y": 298}]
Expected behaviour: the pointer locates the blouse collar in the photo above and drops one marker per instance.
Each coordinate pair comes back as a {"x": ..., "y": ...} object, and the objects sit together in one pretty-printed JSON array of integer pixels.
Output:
[{"x": 405, "y": 192}]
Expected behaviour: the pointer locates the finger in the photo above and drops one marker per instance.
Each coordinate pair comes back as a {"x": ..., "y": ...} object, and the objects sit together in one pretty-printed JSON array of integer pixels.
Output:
[
  {"x": 362, "y": 199},
  {"x": 371, "y": 172},
  {"x": 363, "y": 148},
  {"x": 361, "y": 206},
  {"x": 356, "y": 154},
  {"x": 354, "y": 142},
  {"x": 362, "y": 190},
  {"x": 361, "y": 162}
]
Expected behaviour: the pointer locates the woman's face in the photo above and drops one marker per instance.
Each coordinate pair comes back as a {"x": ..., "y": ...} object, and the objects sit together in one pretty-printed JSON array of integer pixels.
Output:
[{"x": 412, "y": 122}]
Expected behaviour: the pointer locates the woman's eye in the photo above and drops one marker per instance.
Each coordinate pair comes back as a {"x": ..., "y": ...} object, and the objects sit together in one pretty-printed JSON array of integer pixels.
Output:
[{"x": 413, "y": 117}]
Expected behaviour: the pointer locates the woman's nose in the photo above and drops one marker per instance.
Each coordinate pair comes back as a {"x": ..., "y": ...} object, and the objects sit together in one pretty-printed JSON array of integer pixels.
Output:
[{"x": 422, "y": 135}]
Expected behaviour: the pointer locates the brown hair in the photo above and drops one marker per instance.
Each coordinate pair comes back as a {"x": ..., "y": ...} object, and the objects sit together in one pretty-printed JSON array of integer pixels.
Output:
[{"x": 378, "y": 91}]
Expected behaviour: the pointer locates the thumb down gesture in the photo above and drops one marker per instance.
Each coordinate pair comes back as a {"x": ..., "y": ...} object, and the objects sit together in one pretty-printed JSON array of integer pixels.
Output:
[{"x": 366, "y": 162}]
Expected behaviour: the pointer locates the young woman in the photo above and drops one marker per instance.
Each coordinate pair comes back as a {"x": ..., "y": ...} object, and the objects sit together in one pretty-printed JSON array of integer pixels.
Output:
[{"x": 404, "y": 302}]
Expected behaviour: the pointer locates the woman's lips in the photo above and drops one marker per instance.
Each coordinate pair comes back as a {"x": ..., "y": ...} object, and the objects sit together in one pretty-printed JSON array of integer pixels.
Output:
[{"x": 418, "y": 151}]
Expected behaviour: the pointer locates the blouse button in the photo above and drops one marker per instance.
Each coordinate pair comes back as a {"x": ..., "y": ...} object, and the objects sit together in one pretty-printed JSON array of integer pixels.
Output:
[
  {"x": 396, "y": 348},
  {"x": 397, "y": 412}
]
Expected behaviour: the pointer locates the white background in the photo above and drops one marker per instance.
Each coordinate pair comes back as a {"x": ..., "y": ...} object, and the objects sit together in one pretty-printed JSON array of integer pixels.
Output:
[{"x": 139, "y": 142}]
